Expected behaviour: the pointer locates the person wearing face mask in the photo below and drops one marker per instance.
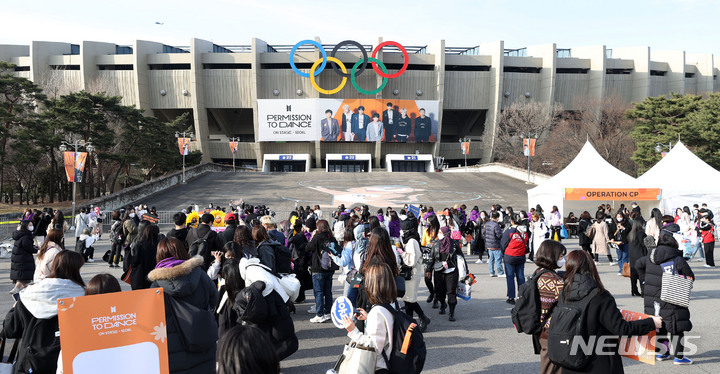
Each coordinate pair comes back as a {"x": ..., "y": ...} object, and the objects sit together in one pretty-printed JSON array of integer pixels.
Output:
[
  {"x": 550, "y": 257},
  {"x": 514, "y": 244},
  {"x": 620, "y": 239},
  {"x": 412, "y": 256},
  {"x": 478, "y": 245}
]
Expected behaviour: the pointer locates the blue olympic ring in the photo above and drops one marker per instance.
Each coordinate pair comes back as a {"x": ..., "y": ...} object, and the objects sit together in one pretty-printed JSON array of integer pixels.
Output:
[{"x": 322, "y": 51}]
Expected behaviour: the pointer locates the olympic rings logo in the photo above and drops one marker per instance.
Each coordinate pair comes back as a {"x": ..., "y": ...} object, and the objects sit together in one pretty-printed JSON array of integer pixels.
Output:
[{"x": 341, "y": 70}]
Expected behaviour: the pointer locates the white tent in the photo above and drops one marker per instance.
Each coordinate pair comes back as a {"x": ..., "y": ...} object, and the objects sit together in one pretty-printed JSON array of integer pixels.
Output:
[
  {"x": 589, "y": 170},
  {"x": 685, "y": 179}
]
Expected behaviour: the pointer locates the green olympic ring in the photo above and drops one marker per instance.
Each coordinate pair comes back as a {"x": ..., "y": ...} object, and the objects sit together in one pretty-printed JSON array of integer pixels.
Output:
[{"x": 360, "y": 89}]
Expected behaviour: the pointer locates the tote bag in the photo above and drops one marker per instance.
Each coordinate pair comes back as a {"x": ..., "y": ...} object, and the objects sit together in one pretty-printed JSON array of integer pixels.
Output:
[
  {"x": 675, "y": 287},
  {"x": 356, "y": 359}
]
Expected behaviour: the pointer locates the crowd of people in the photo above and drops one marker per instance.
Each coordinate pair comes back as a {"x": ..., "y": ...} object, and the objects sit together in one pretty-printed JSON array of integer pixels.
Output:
[{"x": 238, "y": 274}]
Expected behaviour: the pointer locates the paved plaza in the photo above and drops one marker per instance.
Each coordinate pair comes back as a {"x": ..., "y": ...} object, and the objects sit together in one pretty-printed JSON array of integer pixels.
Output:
[{"x": 483, "y": 339}]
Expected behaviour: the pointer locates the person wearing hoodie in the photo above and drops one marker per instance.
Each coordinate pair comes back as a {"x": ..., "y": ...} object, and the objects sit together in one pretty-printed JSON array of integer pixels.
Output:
[
  {"x": 34, "y": 317},
  {"x": 183, "y": 279},
  {"x": 264, "y": 304},
  {"x": 412, "y": 256},
  {"x": 603, "y": 318},
  {"x": 514, "y": 245},
  {"x": 46, "y": 255},
  {"x": 676, "y": 319},
  {"x": 22, "y": 263}
]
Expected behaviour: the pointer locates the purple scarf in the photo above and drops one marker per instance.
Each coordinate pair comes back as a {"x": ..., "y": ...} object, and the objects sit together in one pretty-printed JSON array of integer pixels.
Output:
[
  {"x": 168, "y": 263},
  {"x": 446, "y": 244}
]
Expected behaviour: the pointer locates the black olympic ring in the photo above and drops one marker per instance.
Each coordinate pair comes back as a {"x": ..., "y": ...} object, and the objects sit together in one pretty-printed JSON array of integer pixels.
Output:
[{"x": 362, "y": 49}]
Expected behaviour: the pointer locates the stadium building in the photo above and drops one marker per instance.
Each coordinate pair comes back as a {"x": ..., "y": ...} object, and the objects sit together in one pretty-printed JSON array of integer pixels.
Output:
[{"x": 274, "y": 99}]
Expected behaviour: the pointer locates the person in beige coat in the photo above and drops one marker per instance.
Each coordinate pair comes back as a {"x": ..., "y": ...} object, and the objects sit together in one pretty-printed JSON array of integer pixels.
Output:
[{"x": 601, "y": 238}]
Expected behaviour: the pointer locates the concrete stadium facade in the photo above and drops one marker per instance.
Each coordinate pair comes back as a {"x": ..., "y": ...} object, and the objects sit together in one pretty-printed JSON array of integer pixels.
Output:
[{"x": 220, "y": 85}]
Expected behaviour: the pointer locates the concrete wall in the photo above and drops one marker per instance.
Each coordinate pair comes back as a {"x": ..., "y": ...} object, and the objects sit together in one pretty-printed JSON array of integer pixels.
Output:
[{"x": 142, "y": 191}]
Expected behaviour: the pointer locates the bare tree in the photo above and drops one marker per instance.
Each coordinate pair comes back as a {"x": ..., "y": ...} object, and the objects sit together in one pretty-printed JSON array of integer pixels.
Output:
[
  {"x": 604, "y": 124},
  {"x": 524, "y": 119}
]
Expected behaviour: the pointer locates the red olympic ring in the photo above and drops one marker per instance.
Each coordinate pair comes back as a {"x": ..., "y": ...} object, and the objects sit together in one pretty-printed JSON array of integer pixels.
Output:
[{"x": 405, "y": 56}]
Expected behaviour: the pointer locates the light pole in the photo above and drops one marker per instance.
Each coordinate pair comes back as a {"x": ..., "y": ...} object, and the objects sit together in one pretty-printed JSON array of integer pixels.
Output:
[
  {"x": 75, "y": 146},
  {"x": 660, "y": 146},
  {"x": 528, "y": 149},
  {"x": 465, "y": 148},
  {"x": 233, "y": 148},
  {"x": 185, "y": 147}
]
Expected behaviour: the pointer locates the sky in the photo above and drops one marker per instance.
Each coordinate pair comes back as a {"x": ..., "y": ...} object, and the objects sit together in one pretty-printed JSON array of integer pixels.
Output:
[{"x": 688, "y": 25}]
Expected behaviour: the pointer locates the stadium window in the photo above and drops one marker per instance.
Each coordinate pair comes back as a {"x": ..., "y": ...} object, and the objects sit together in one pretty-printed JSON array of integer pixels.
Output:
[
  {"x": 571, "y": 71},
  {"x": 226, "y": 66},
  {"x": 658, "y": 73},
  {"x": 689, "y": 75},
  {"x": 521, "y": 69},
  {"x": 169, "y": 66},
  {"x": 116, "y": 67},
  {"x": 618, "y": 71},
  {"x": 467, "y": 68}
]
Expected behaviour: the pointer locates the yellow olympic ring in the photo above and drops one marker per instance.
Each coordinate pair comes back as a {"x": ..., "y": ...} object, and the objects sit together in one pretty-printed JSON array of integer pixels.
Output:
[{"x": 322, "y": 90}]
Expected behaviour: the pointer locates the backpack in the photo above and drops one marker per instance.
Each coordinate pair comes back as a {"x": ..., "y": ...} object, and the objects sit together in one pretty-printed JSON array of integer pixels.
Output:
[
  {"x": 116, "y": 233},
  {"x": 526, "y": 314},
  {"x": 41, "y": 349},
  {"x": 408, "y": 352},
  {"x": 567, "y": 336},
  {"x": 283, "y": 259},
  {"x": 199, "y": 246},
  {"x": 196, "y": 327}
]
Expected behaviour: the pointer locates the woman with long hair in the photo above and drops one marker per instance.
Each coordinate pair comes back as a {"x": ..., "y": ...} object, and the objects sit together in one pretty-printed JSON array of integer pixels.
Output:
[
  {"x": 549, "y": 258},
  {"x": 183, "y": 279},
  {"x": 478, "y": 244},
  {"x": 653, "y": 225},
  {"x": 37, "y": 306},
  {"x": 601, "y": 238},
  {"x": 49, "y": 249},
  {"x": 381, "y": 290},
  {"x": 539, "y": 234},
  {"x": 619, "y": 238},
  {"x": 143, "y": 257},
  {"x": 428, "y": 240},
  {"x": 603, "y": 318},
  {"x": 555, "y": 221},
  {"x": 636, "y": 250},
  {"x": 243, "y": 350},
  {"x": 322, "y": 278},
  {"x": 412, "y": 256},
  {"x": 394, "y": 226}
]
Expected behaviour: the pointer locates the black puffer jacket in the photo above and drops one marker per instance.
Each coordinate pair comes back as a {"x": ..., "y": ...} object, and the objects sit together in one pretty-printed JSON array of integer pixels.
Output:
[
  {"x": 315, "y": 246},
  {"x": 582, "y": 228},
  {"x": 675, "y": 318},
  {"x": 270, "y": 314},
  {"x": 604, "y": 319},
  {"x": 189, "y": 283},
  {"x": 22, "y": 263}
]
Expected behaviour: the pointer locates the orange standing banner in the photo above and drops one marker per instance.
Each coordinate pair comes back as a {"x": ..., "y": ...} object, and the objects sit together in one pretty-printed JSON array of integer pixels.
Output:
[
  {"x": 184, "y": 146},
  {"x": 529, "y": 146},
  {"x": 69, "y": 165},
  {"x": 639, "y": 348},
  {"x": 233, "y": 147},
  {"x": 121, "y": 332},
  {"x": 606, "y": 194}
]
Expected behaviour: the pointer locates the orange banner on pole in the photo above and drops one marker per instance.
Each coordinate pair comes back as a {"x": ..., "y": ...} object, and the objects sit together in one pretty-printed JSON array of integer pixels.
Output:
[
  {"x": 184, "y": 146},
  {"x": 80, "y": 158},
  {"x": 529, "y": 146},
  {"x": 465, "y": 147},
  {"x": 233, "y": 147},
  {"x": 606, "y": 194},
  {"x": 639, "y": 348},
  {"x": 124, "y": 329},
  {"x": 69, "y": 165}
]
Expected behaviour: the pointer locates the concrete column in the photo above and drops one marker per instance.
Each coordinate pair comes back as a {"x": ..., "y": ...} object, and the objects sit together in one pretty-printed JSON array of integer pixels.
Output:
[
  {"x": 318, "y": 155},
  {"x": 641, "y": 69},
  {"x": 197, "y": 95},
  {"x": 40, "y": 53},
  {"x": 675, "y": 77},
  {"x": 438, "y": 50},
  {"x": 378, "y": 152},
  {"x": 141, "y": 50},
  {"x": 596, "y": 75},
  {"x": 258, "y": 47},
  {"x": 496, "y": 51},
  {"x": 705, "y": 71},
  {"x": 548, "y": 53},
  {"x": 88, "y": 53}
]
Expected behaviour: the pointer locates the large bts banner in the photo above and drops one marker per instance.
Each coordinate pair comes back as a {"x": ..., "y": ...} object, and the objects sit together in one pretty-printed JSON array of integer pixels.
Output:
[{"x": 348, "y": 120}]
